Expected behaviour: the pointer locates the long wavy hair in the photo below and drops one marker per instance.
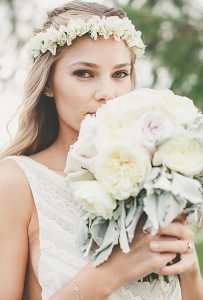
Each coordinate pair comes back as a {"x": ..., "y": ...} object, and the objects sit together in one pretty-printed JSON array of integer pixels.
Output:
[{"x": 38, "y": 120}]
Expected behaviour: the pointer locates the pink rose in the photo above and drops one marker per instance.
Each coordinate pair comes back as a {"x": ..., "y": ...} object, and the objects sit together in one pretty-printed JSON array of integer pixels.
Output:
[{"x": 152, "y": 128}]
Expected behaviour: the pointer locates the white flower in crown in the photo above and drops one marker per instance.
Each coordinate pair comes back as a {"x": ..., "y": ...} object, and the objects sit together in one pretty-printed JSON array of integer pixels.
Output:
[
  {"x": 50, "y": 41},
  {"x": 110, "y": 26},
  {"x": 95, "y": 25},
  {"x": 76, "y": 27},
  {"x": 35, "y": 45},
  {"x": 62, "y": 35},
  {"x": 113, "y": 26},
  {"x": 69, "y": 35}
]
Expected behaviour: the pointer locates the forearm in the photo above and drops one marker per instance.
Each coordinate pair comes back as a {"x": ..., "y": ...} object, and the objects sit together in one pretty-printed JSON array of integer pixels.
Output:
[
  {"x": 93, "y": 283},
  {"x": 192, "y": 286}
]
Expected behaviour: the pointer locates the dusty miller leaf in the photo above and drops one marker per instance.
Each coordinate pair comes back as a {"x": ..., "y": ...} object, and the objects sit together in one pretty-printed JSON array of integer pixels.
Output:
[
  {"x": 187, "y": 188},
  {"x": 110, "y": 240},
  {"x": 98, "y": 230},
  {"x": 123, "y": 239}
]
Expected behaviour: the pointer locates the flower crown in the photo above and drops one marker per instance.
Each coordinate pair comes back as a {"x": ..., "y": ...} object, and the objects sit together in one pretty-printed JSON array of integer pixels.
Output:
[{"x": 113, "y": 26}]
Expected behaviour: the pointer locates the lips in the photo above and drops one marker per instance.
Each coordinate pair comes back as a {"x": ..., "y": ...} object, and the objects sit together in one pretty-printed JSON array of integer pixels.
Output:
[{"x": 92, "y": 113}]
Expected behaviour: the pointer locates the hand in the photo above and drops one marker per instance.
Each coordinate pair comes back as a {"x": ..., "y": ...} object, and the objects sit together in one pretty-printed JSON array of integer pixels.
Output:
[
  {"x": 139, "y": 262},
  {"x": 188, "y": 262}
]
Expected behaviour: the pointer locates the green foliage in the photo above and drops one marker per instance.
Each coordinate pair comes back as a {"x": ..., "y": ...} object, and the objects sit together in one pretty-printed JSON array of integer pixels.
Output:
[
  {"x": 199, "y": 248},
  {"x": 199, "y": 245},
  {"x": 173, "y": 43}
]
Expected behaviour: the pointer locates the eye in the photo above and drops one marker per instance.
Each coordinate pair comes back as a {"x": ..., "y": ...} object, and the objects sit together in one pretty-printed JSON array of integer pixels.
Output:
[
  {"x": 82, "y": 73},
  {"x": 121, "y": 74}
]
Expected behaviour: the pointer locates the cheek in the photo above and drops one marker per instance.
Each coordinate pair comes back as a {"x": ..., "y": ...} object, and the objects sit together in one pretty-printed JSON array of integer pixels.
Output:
[
  {"x": 70, "y": 113},
  {"x": 70, "y": 103},
  {"x": 67, "y": 88},
  {"x": 125, "y": 87}
]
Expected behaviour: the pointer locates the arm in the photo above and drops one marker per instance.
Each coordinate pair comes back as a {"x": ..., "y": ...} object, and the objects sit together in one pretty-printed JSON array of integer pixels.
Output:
[
  {"x": 15, "y": 214},
  {"x": 192, "y": 284},
  {"x": 14, "y": 217},
  {"x": 93, "y": 283}
]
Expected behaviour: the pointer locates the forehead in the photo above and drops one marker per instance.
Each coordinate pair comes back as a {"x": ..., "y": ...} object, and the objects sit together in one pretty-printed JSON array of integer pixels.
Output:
[{"x": 87, "y": 49}]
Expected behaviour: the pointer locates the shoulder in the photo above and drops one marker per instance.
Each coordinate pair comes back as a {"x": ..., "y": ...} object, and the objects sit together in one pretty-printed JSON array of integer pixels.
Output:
[
  {"x": 15, "y": 194},
  {"x": 11, "y": 175}
]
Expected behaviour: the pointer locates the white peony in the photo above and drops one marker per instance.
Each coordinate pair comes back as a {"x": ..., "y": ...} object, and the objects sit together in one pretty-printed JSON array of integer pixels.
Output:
[
  {"x": 181, "y": 153},
  {"x": 93, "y": 197},
  {"x": 122, "y": 169}
]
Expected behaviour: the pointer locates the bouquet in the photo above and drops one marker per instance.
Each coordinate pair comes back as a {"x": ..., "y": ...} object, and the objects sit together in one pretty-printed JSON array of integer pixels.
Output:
[{"x": 141, "y": 153}]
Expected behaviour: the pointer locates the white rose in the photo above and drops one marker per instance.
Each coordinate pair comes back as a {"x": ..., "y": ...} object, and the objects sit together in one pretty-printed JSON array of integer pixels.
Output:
[
  {"x": 196, "y": 129},
  {"x": 122, "y": 169},
  {"x": 112, "y": 127},
  {"x": 84, "y": 150},
  {"x": 93, "y": 197},
  {"x": 180, "y": 109},
  {"x": 181, "y": 153},
  {"x": 150, "y": 128},
  {"x": 118, "y": 114}
]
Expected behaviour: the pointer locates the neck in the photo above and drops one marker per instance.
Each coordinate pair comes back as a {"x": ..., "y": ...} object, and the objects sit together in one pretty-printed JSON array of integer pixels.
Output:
[{"x": 59, "y": 149}]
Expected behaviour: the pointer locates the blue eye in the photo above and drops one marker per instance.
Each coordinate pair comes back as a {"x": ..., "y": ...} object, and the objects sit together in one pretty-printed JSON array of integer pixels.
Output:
[
  {"x": 83, "y": 73},
  {"x": 121, "y": 74}
]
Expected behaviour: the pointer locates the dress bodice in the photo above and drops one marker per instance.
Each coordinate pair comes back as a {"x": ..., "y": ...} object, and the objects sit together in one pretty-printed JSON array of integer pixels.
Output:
[{"x": 60, "y": 257}]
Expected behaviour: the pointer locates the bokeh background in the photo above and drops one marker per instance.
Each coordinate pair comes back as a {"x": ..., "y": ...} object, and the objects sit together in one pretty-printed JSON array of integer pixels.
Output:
[{"x": 172, "y": 31}]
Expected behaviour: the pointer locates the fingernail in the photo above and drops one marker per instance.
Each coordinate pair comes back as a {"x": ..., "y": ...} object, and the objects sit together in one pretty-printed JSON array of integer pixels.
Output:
[
  {"x": 154, "y": 245},
  {"x": 147, "y": 231}
]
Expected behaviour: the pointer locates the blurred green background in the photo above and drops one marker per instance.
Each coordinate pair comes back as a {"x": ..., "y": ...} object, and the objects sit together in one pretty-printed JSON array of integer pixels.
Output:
[
  {"x": 172, "y": 31},
  {"x": 199, "y": 245}
]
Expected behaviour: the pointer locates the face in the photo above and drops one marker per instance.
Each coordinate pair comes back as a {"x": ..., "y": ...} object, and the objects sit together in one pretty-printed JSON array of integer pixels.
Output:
[{"x": 88, "y": 74}]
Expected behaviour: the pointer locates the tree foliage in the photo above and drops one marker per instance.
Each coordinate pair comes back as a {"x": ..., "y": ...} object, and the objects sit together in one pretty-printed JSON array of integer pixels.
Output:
[
  {"x": 17, "y": 19},
  {"x": 173, "y": 42}
]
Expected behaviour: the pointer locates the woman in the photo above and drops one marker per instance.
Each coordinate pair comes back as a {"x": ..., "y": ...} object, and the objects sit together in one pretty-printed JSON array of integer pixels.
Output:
[{"x": 39, "y": 258}]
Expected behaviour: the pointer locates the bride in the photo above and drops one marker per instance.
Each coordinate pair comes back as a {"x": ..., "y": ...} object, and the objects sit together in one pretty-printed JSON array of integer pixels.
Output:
[{"x": 79, "y": 63}]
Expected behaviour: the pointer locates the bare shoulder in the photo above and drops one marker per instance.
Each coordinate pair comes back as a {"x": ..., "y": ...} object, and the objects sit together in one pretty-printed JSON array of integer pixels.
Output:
[{"x": 14, "y": 189}]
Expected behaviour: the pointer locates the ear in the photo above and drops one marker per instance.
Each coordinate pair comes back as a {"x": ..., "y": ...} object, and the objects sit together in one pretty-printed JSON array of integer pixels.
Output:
[{"x": 48, "y": 90}]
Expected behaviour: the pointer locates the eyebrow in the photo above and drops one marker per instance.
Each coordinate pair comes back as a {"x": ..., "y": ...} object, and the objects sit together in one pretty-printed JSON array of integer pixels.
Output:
[{"x": 91, "y": 65}]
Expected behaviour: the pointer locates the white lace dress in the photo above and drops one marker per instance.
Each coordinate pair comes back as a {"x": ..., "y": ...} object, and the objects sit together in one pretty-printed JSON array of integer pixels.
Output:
[{"x": 60, "y": 257}]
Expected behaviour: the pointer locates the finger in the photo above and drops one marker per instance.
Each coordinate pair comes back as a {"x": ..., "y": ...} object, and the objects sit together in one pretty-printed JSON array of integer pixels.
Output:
[
  {"x": 178, "y": 268},
  {"x": 176, "y": 246},
  {"x": 181, "y": 218},
  {"x": 162, "y": 260},
  {"x": 168, "y": 257},
  {"x": 177, "y": 230}
]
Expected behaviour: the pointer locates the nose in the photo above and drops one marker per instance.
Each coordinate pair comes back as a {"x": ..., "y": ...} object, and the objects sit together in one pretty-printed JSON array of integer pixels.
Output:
[{"x": 104, "y": 92}]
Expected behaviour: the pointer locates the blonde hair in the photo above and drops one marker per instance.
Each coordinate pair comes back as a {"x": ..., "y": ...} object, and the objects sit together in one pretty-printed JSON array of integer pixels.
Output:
[{"x": 38, "y": 120}]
